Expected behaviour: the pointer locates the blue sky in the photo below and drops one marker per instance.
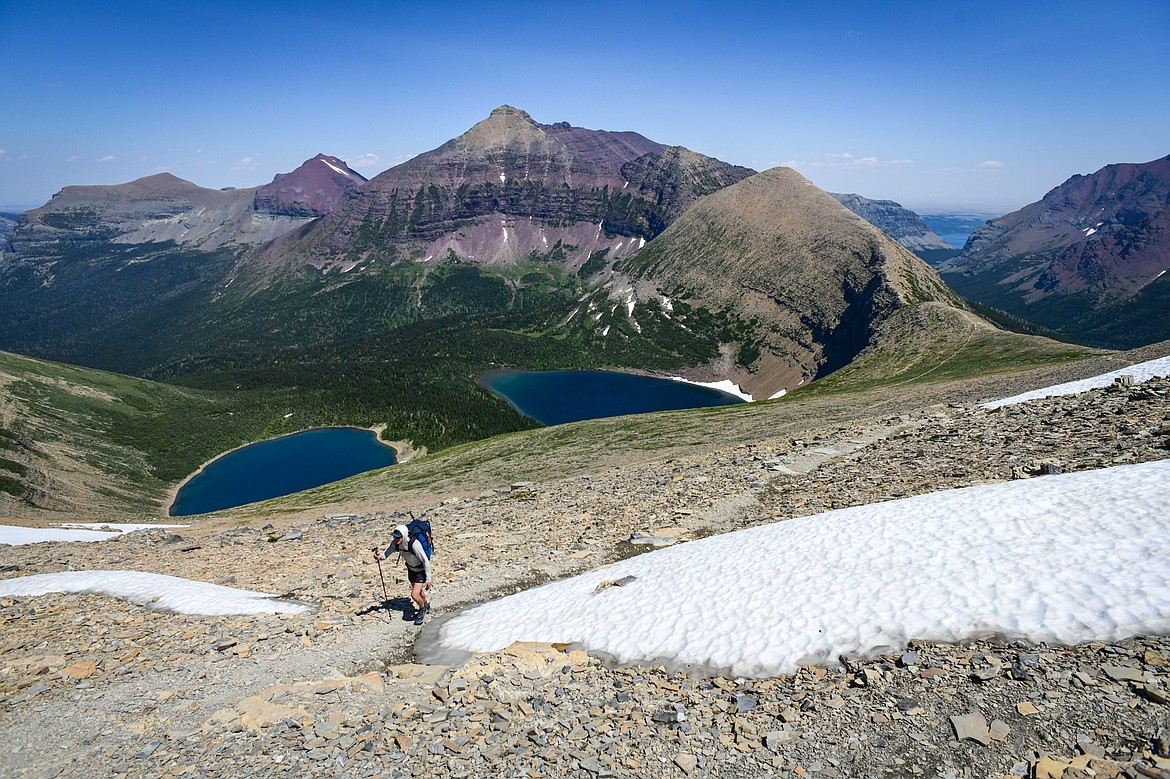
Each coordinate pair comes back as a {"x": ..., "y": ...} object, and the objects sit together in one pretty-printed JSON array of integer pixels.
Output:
[{"x": 935, "y": 104}]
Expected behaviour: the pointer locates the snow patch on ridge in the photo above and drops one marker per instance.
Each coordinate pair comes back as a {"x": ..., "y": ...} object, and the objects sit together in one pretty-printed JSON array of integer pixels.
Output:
[{"x": 1142, "y": 371}]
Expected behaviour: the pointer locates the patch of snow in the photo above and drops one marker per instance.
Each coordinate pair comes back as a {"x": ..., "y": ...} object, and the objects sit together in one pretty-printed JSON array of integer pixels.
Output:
[
  {"x": 503, "y": 178},
  {"x": 286, "y": 416},
  {"x": 630, "y": 304},
  {"x": 13, "y": 535},
  {"x": 161, "y": 592},
  {"x": 725, "y": 385},
  {"x": 1143, "y": 371},
  {"x": 572, "y": 314},
  {"x": 605, "y": 331},
  {"x": 1160, "y": 275},
  {"x": 339, "y": 170},
  {"x": 1027, "y": 559},
  {"x": 641, "y": 242},
  {"x": 1089, "y": 231},
  {"x": 667, "y": 304},
  {"x": 779, "y": 394}
]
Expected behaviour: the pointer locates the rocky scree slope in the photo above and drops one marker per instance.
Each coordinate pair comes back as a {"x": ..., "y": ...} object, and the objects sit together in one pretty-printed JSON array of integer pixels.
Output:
[
  {"x": 93, "y": 686},
  {"x": 1088, "y": 260},
  {"x": 809, "y": 280},
  {"x": 510, "y": 188}
]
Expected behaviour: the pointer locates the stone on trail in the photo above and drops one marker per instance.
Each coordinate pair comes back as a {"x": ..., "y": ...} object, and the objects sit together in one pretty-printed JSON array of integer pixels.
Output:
[{"x": 971, "y": 726}]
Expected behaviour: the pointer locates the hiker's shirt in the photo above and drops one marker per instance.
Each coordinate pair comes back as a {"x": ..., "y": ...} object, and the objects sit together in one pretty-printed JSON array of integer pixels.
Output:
[{"x": 415, "y": 557}]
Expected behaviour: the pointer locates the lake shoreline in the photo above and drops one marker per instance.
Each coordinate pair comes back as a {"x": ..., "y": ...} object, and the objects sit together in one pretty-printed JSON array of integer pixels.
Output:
[
  {"x": 580, "y": 391},
  {"x": 377, "y": 430}
]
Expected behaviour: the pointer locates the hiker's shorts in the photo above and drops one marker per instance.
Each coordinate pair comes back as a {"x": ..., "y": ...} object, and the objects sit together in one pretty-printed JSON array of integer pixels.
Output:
[{"x": 416, "y": 577}]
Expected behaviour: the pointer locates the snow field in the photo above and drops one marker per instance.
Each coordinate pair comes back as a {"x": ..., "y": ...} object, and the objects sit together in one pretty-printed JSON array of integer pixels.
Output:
[
  {"x": 1062, "y": 559},
  {"x": 159, "y": 591}
]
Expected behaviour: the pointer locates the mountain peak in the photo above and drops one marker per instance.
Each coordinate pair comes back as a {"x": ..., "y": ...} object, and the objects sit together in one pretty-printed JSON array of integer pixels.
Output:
[
  {"x": 507, "y": 110},
  {"x": 505, "y": 126}
]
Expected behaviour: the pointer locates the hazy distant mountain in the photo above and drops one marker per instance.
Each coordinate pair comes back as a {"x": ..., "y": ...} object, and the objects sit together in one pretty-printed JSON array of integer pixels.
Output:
[
  {"x": 163, "y": 207},
  {"x": 510, "y": 189},
  {"x": 901, "y": 224},
  {"x": 1088, "y": 260},
  {"x": 813, "y": 279}
]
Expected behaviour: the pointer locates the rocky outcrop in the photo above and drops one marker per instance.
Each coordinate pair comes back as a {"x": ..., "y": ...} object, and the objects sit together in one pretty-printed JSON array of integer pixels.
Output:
[
  {"x": 1087, "y": 260},
  {"x": 314, "y": 189},
  {"x": 809, "y": 279},
  {"x": 901, "y": 224},
  {"x": 510, "y": 188},
  {"x": 7, "y": 225}
]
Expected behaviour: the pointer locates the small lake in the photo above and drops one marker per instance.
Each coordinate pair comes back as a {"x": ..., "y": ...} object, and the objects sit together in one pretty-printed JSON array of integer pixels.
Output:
[
  {"x": 556, "y": 397},
  {"x": 281, "y": 466}
]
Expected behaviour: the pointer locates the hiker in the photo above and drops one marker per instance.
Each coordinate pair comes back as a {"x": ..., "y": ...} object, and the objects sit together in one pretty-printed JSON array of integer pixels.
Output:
[{"x": 418, "y": 567}]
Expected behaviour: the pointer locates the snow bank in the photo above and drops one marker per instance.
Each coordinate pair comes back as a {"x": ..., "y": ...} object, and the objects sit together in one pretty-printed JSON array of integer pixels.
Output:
[
  {"x": 1143, "y": 371},
  {"x": 726, "y": 385},
  {"x": 14, "y": 535},
  {"x": 1063, "y": 559},
  {"x": 161, "y": 592}
]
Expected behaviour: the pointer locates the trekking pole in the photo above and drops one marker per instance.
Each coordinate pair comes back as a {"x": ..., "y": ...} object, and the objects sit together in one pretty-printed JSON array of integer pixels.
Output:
[{"x": 385, "y": 595}]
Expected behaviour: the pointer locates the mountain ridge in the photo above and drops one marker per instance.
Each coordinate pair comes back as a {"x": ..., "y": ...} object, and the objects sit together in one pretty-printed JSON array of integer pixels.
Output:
[{"x": 1087, "y": 260}]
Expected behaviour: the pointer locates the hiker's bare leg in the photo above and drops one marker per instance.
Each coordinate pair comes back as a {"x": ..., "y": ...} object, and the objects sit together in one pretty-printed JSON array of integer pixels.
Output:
[{"x": 418, "y": 594}]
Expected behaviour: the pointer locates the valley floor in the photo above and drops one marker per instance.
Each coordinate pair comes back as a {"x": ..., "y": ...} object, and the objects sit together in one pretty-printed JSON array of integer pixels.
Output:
[{"x": 92, "y": 686}]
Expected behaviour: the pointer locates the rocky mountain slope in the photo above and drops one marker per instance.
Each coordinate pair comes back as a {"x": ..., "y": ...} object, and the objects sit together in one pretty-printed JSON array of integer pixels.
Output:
[
  {"x": 509, "y": 189},
  {"x": 901, "y": 224},
  {"x": 7, "y": 225},
  {"x": 93, "y": 686},
  {"x": 807, "y": 278},
  {"x": 314, "y": 189},
  {"x": 1088, "y": 260}
]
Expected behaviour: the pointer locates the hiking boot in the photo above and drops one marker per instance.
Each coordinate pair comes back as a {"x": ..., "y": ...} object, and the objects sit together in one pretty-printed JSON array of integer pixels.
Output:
[{"x": 421, "y": 614}]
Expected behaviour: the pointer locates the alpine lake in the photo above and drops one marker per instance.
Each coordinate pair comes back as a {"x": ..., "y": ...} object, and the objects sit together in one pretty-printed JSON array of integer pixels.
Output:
[{"x": 301, "y": 461}]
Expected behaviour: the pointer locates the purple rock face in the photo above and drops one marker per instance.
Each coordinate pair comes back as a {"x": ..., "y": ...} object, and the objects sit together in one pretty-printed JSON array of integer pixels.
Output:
[
  {"x": 312, "y": 190},
  {"x": 509, "y": 187},
  {"x": 1105, "y": 233}
]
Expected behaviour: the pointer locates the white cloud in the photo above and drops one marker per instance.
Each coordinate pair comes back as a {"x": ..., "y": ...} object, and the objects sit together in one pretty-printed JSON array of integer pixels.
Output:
[
  {"x": 991, "y": 164},
  {"x": 3, "y": 153},
  {"x": 250, "y": 161},
  {"x": 107, "y": 158},
  {"x": 844, "y": 160},
  {"x": 74, "y": 158},
  {"x": 367, "y": 160}
]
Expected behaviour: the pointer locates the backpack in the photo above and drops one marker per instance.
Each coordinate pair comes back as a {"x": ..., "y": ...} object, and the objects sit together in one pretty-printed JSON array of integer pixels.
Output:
[{"x": 420, "y": 530}]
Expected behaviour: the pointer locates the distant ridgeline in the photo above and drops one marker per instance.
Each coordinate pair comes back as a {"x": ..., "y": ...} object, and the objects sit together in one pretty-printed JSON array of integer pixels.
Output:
[{"x": 535, "y": 246}]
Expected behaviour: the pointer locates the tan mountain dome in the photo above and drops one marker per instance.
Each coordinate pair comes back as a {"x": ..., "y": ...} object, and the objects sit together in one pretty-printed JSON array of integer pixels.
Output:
[{"x": 811, "y": 278}]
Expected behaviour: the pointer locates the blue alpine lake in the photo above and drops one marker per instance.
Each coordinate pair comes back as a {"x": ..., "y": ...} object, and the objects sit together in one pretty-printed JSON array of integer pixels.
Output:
[
  {"x": 281, "y": 466},
  {"x": 555, "y": 397}
]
